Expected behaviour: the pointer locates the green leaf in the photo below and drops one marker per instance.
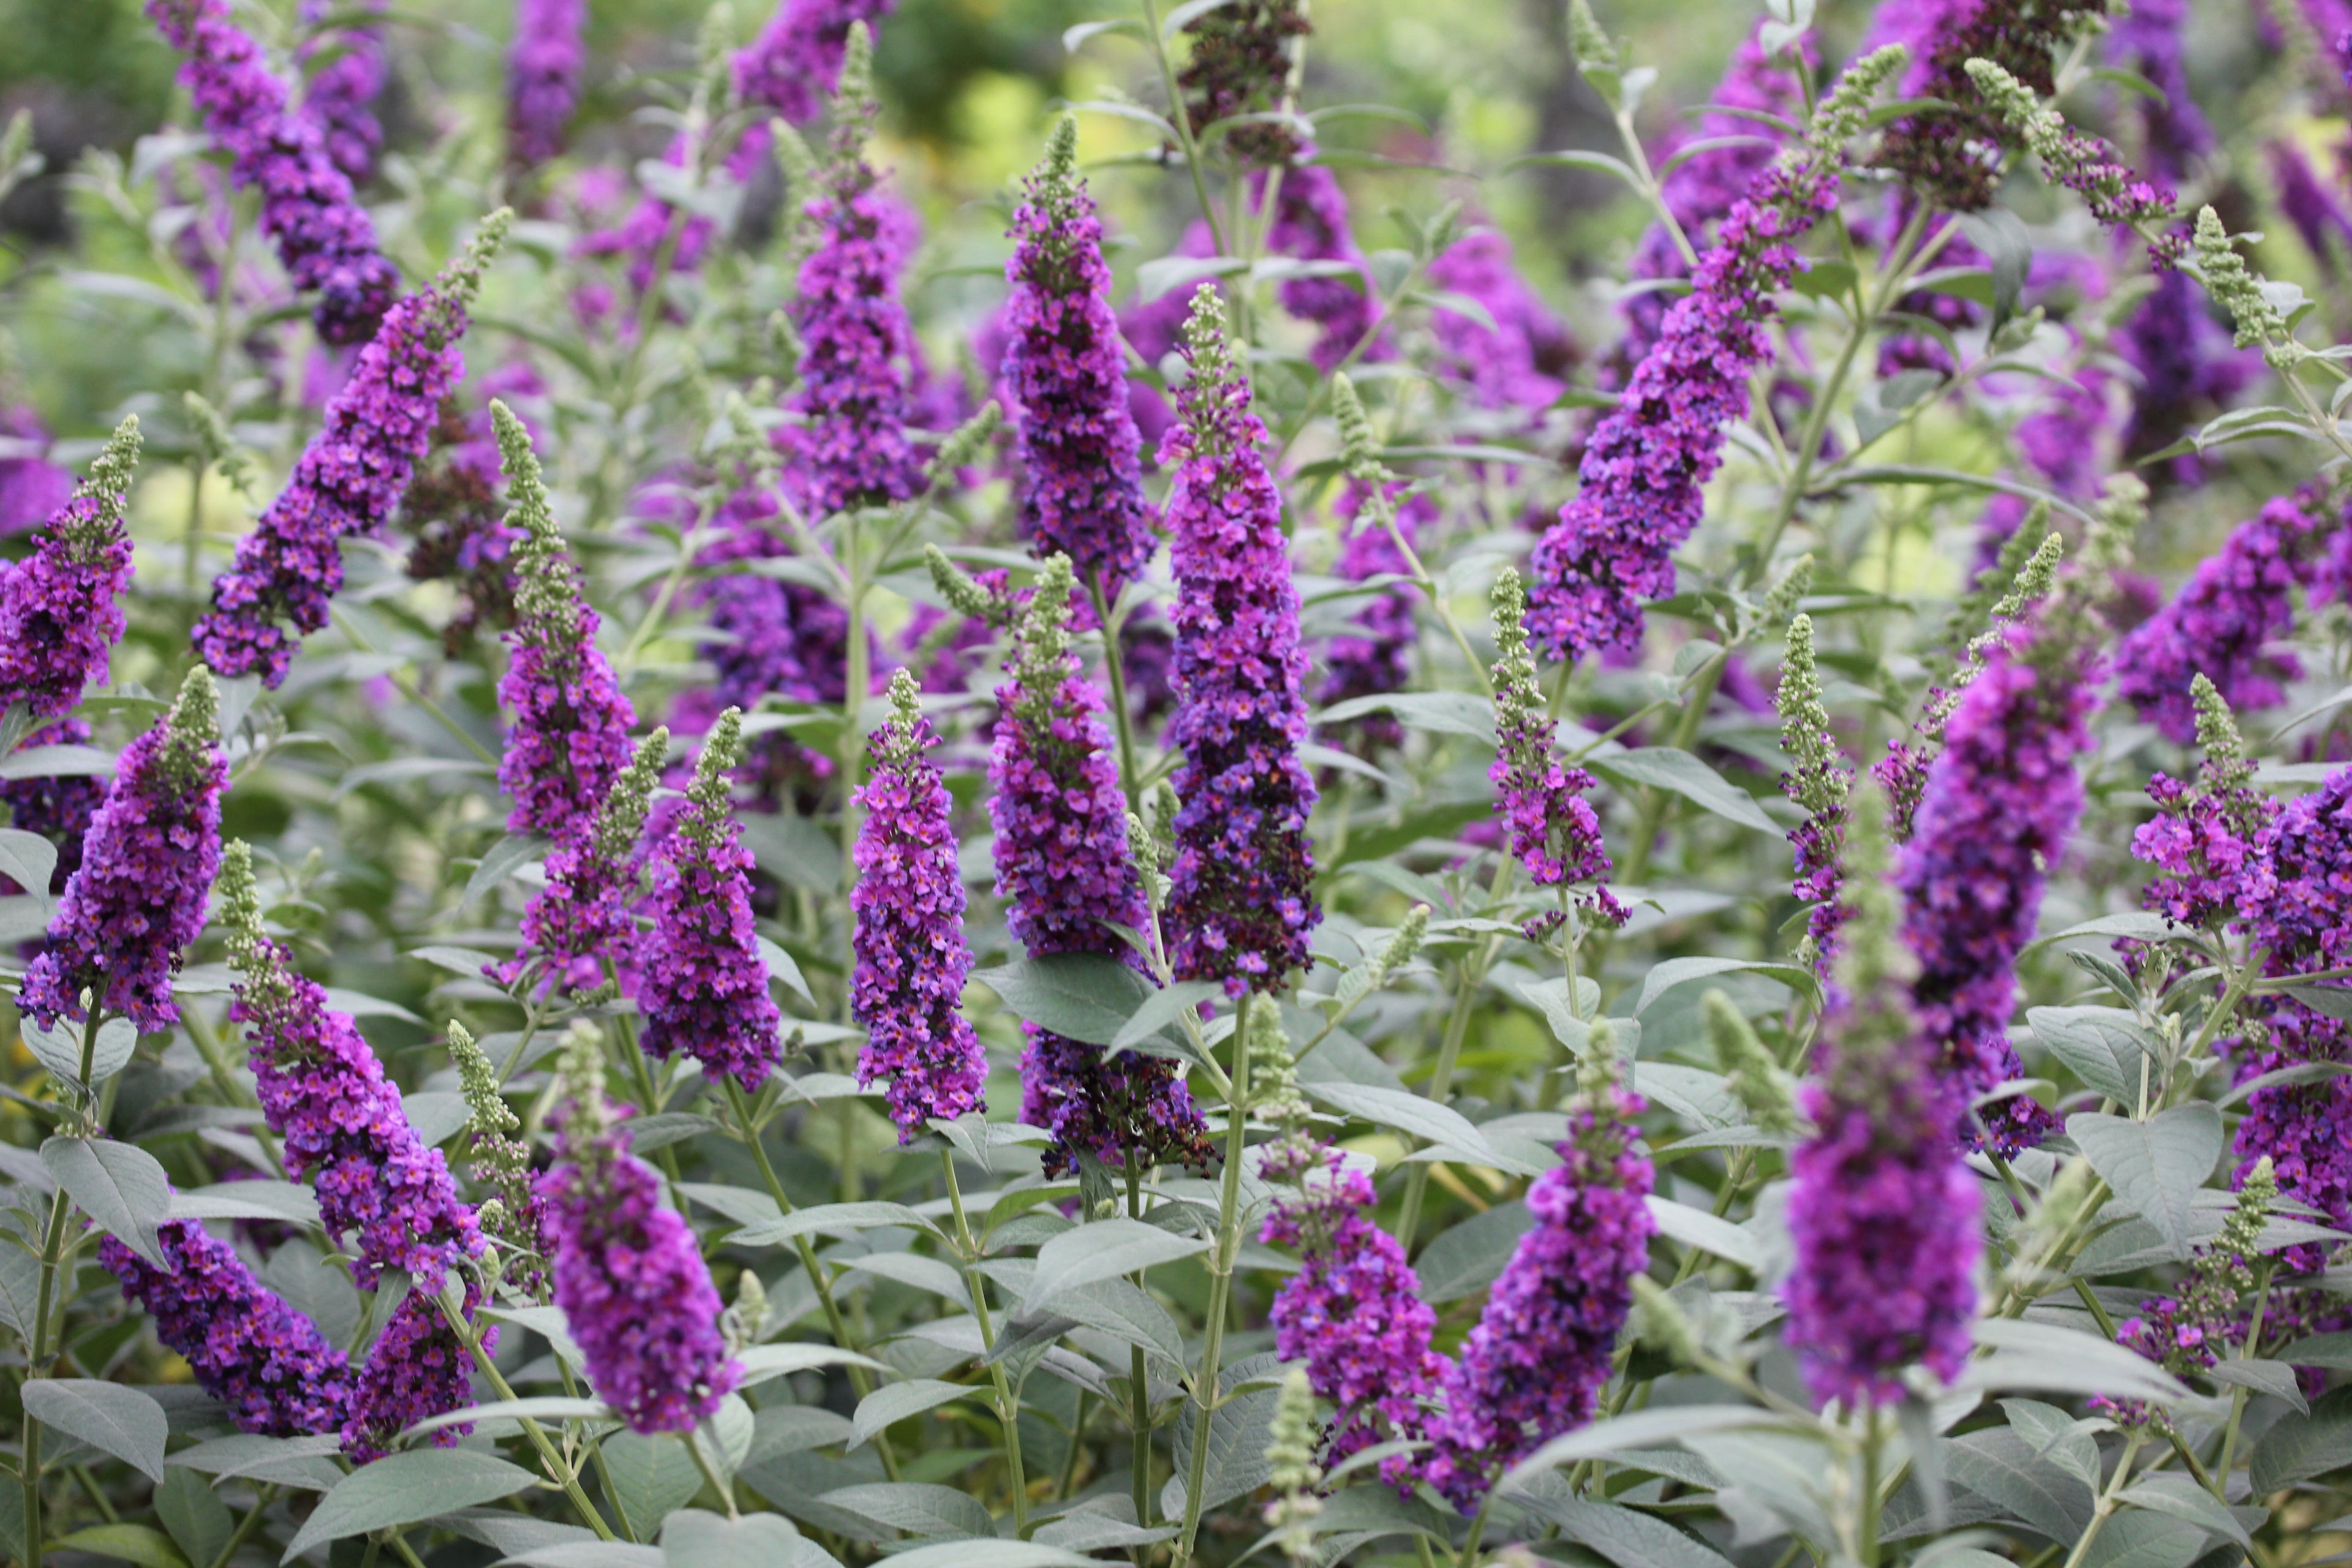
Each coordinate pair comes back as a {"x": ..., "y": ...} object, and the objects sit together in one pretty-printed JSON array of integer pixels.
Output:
[
  {"x": 2145, "y": 1541},
  {"x": 1162, "y": 1009},
  {"x": 1103, "y": 1250},
  {"x": 554, "y": 1409},
  {"x": 762, "y": 1362},
  {"x": 794, "y": 849},
  {"x": 1638, "y": 1430},
  {"x": 199, "y": 1521},
  {"x": 694, "y": 1539},
  {"x": 2299, "y": 1448},
  {"x": 1440, "y": 1125},
  {"x": 1082, "y": 996},
  {"x": 1674, "y": 972},
  {"x": 2154, "y": 1166},
  {"x": 651, "y": 1476},
  {"x": 988, "y": 1552},
  {"x": 2050, "y": 1358},
  {"x": 403, "y": 1488},
  {"x": 1074, "y": 38},
  {"x": 60, "y": 1049},
  {"x": 28, "y": 857},
  {"x": 120, "y": 1186},
  {"x": 1824, "y": 280},
  {"x": 258, "y": 1199},
  {"x": 1696, "y": 1227},
  {"x": 140, "y": 1543},
  {"x": 783, "y": 967},
  {"x": 502, "y": 860},
  {"x": 1627, "y": 1538},
  {"x": 282, "y": 1462},
  {"x": 406, "y": 769},
  {"x": 2182, "y": 1497},
  {"x": 917, "y": 1508},
  {"x": 896, "y": 1402},
  {"x": 1237, "y": 1461},
  {"x": 1679, "y": 772},
  {"x": 1441, "y": 712},
  {"x": 1117, "y": 1307},
  {"x": 124, "y": 1422},
  {"x": 1578, "y": 158},
  {"x": 56, "y": 762},
  {"x": 2000, "y": 1466},
  {"x": 20, "y": 1289},
  {"x": 1171, "y": 273},
  {"x": 2276, "y": 1378},
  {"x": 1467, "y": 1259},
  {"x": 830, "y": 1217},
  {"x": 2107, "y": 1047}
]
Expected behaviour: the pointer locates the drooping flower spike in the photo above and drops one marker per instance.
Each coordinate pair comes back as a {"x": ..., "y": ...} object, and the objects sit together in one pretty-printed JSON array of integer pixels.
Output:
[
  {"x": 339, "y": 98},
  {"x": 1064, "y": 871},
  {"x": 324, "y": 236},
  {"x": 908, "y": 936},
  {"x": 130, "y": 912},
  {"x": 704, "y": 986},
  {"x": 1240, "y": 906},
  {"x": 628, "y": 1274},
  {"x": 1081, "y": 469},
  {"x": 61, "y": 607},
  {"x": 571, "y": 733},
  {"x": 349, "y": 478}
]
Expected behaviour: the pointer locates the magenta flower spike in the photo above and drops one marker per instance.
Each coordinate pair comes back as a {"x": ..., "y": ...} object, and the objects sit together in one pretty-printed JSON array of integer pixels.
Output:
[
  {"x": 339, "y": 98},
  {"x": 61, "y": 607}
]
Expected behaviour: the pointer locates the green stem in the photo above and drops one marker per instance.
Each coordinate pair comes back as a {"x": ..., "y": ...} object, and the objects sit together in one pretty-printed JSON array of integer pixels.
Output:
[
  {"x": 1468, "y": 1556},
  {"x": 1866, "y": 1528},
  {"x": 1008, "y": 1409},
  {"x": 414, "y": 693},
  {"x": 246, "y": 1526},
  {"x": 1221, "y": 1279},
  {"x": 1138, "y": 1377},
  {"x": 561, "y": 1473},
  {"x": 1468, "y": 979},
  {"x": 2106, "y": 1506},
  {"x": 1181, "y": 123},
  {"x": 1115, "y": 667},
  {"x": 719, "y": 1483}
]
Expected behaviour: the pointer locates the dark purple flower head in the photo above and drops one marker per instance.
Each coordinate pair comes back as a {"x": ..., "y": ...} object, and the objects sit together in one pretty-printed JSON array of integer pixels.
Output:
[
  {"x": 148, "y": 859},
  {"x": 1952, "y": 155},
  {"x": 704, "y": 987},
  {"x": 324, "y": 236},
  {"x": 1644, "y": 472},
  {"x": 628, "y": 1274},
  {"x": 2173, "y": 130},
  {"x": 1240, "y": 59},
  {"x": 794, "y": 63},
  {"x": 1353, "y": 1312},
  {"x": 1523, "y": 361},
  {"x": 2188, "y": 369},
  {"x": 1240, "y": 906},
  {"x": 571, "y": 733},
  {"x": 1081, "y": 476},
  {"x": 583, "y": 919},
  {"x": 349, "y": 478},
  {"x": 418, "y": 1368},
  {"x": 908, "y": 940},
  {"x": 1311, "y": 224},
  {"x": 776, "y": 639},
  {"x": 326, "y": 1096},
  {"x": 339, "y": 98},
  {"x": 1553, "y": 830},
  {"x": 2319, "y": 219},
  {"x": 248, "y": 1348},
  {"x": 2206, "y": 840},
  {"x": 1064, "y": 872},
  {"x": 544, "y": 66},
  {"x": 2224, "y": 621},
  {"x": 1533, "y": 1367},
  {"x": 60, "y": 607}
]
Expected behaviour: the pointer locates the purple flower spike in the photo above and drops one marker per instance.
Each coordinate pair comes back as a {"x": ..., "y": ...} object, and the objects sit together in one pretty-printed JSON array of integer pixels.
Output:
[
  {"x": 628, "y": 1274},
  {"x": 1998, "y": 803},
  {"x": 908, "y": 940},
  {"x": 1353, "y": 1312},
  {"x": 794, "y": 63},
  {"x": 704, "y": 990},
  {"x": 1522, "y": 361},
  {"x": 1553, "y": 830},
  {"x": 1081, "y": 475},
  {"x": 1534, "y": 1365},
  {"x": 544, "y": 66},
  {"x": 1375, "y": 656},
  {"x": 418, "y": 1368},
  {"x": 349, "y": 478},
  {"x": 1064, "y": 871},
  {"x": 1311, "y": 224},
  {"x": 1239, "y": 906},
  {"x": 583, "y": 919},
  {"x": 249, "y": 1349},
  {"x": 571, "y": 733},
  {"x": 130, "y": 913},
  {"x": 60, "y": 609},
  {"x": 324, "y": 236},
  {"x": 340, "y": 99},
  {"x": 2221, "y": 624},
  {"x": 1883, "y": 1210},
  {"x": 1646, "y": 469}
]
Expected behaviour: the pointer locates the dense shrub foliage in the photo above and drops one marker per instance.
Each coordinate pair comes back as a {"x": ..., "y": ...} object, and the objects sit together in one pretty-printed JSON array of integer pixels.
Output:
[{"x": 666, "y": 904}]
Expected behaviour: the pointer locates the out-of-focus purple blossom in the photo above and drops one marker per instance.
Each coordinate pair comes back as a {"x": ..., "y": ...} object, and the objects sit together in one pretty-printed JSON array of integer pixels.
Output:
[
  {"x": 59, "y": 808},
  {"x": 1999, "y": 802},
  {"x": 545, "y": 64},
  {"x": 776, "y": 639},
  {"x": 794, "y": 63},
  {"x": 248, "y": 1348},
  {"x": 857, "y": 348},
  {"x": 1701, "y": 189},
  {"x": 2227, "y": 616},
  {"x": 2319, "y": 219},
  {"x": 2064, "y": 442},
  {"x": 2149, "y": 40},
  {"x": 1951, "y": 154},
  {"x": 323, "y": 235},
  {"x": 1081, "y": 480},
  {"x": 1311, "y": 224},
  {"x": 1154, "y": 329},
  {"x": 60, "y": 607},
  {"x": 909, "y": 942},
  {"x": 2188, "y": 370},
  {"x": 1240, "y": 905},
  {"x": 349, "y": 478},
  {"x": 339, "y": 97},
  {"x": 1645, "y": 470},
  {"x": 1239, "y": 59},
  {"x": 1353, "y": 1312},
  {"x": 583, "y": 918},
  {"x": 628, "y": 1273},
  {"x": 31, "y": 487},
  {"x": 130, "y": 912},
  {"x": 1375, "y": 656},
  {"x": 1523, "y": 361},
  {"x": 1534, "y": 1365},
  {"x": 1065, "y": 874}
]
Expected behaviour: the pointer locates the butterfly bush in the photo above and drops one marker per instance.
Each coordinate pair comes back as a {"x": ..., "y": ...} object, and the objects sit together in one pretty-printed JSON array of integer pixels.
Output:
[{"x": 1701, "y": 912}]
